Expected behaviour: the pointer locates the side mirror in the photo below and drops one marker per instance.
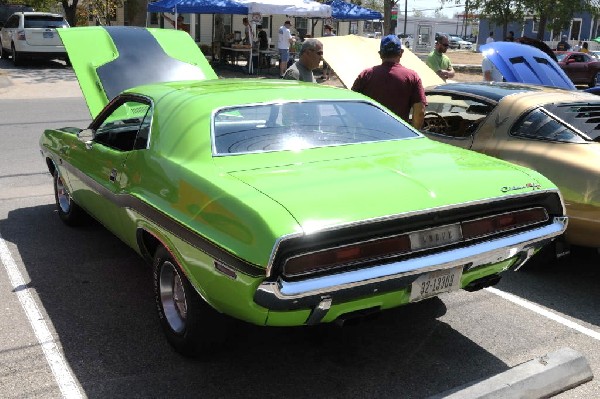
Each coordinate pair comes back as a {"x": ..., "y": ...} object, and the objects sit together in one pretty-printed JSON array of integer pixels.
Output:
[{"x": 86, "y": 136}]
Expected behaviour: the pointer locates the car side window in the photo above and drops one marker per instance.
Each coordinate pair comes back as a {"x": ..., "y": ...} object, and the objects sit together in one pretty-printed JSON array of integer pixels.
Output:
[
  {"x": 13, "y": 22},
  {"x": 538, "y": 124},
  {"x": 454, "y": 116},
  {"x": 127, "y": 127}
]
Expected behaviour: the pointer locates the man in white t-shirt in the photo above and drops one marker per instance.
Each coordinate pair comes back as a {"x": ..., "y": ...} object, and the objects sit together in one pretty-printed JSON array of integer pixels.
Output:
[
  {"x": 490, "y": 38},
  {"x": 283, "y": 45},
  {"x": 490, "y": 72}
]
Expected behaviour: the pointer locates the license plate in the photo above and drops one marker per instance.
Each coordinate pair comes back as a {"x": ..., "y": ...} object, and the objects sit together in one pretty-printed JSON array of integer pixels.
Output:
[
  {"x": 48, "y": 35},
  {"x": 435, "y": 237},
  {"x": 434, "y": 283}
]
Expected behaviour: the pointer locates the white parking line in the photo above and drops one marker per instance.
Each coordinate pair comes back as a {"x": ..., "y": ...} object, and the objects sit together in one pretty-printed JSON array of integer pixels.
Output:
[
  {"x": 544, "y": 312},
  {"x": 60, "y": 369}
]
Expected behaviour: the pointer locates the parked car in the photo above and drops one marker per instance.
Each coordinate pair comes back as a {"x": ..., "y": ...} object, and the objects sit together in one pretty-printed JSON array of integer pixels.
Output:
[
  {"x": 32, "y": 35},
  {"x": 456, "y": 42},
  {"x": 595, "y": 54},
  {"x": 278, "y": 202},
  {"x": 581, "y": 68},
  {"x": 407, "y": 40},
  {"x": 553, "y": 131}
]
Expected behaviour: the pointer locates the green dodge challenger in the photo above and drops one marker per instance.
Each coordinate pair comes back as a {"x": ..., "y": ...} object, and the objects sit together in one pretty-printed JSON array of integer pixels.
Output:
[{"x": 279, "y": 203}]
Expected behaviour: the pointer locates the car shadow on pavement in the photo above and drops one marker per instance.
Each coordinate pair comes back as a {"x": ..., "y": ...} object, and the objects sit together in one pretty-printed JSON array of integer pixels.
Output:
[
  {"x": 98, "y": 296},
  {"x": 39, "y": 71},
  {"x": 569, "y": 285}
]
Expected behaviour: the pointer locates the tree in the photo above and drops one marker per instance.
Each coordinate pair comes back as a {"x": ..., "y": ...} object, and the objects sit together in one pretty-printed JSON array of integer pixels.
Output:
[
  {"x": 70, "y": 8},
  {"x": 557, "y": 14},
  {"x": 501, "y": 12}
]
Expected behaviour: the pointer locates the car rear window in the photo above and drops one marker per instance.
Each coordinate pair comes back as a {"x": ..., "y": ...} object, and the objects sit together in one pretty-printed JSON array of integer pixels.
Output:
[
  {"x": 302, "y": 125},
  {"x": 44, "y": 21},
  {"x": 540, "y": 124}
]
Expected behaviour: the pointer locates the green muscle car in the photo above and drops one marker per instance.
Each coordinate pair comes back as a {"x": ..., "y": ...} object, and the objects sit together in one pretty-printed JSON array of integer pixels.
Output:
[{"x": 279, "y": 203}]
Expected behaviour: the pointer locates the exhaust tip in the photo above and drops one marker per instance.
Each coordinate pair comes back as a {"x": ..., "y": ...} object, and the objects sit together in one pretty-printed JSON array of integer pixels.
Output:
[{"x": 482, "y": 283}]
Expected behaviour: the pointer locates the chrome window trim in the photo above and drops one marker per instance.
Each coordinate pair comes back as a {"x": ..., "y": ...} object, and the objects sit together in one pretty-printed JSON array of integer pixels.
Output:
[{"x": 213, "y": 144}]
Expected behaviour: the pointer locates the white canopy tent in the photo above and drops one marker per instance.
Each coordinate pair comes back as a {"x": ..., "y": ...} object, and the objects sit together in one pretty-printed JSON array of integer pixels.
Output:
[{"x": 293, "y": 8}]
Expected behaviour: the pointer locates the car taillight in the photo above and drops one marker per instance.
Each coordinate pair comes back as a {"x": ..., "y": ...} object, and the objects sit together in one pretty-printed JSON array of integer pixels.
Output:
[
  {"x": 438, "y": 236},
  {"x": 21, "y": 35},
  {"x": 334, "y": 257},
  {"x": 506, "y": 221}
]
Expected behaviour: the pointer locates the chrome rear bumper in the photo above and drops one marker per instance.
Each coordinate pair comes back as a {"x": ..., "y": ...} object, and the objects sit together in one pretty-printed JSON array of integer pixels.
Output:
[{"x": 321, "y": 292}]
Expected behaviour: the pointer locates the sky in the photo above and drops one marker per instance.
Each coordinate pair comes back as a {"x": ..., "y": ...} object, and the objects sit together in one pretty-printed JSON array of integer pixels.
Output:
[{"x": 428, "y": 7}]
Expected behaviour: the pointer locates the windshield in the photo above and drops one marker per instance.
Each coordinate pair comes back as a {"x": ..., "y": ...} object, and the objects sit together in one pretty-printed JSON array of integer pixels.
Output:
[
  {"x": 302, "y": 125},
  {"x": 561, "y": 57}
]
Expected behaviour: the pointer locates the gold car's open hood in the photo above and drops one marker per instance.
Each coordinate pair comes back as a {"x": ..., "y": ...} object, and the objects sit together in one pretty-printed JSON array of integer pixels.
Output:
[
  {"x": 110, "y": 59},
  {"x": 350, "y": 55}
]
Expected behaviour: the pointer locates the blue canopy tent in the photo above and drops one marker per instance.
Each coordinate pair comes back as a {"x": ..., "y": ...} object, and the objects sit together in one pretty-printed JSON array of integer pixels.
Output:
[
  {"x": 198, "y": 7},
  {"x": 348, "y": 11}
]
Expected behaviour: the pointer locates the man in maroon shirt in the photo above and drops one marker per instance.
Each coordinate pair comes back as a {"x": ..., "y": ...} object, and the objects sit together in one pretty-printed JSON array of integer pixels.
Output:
[{"x": 392, "y": 85}]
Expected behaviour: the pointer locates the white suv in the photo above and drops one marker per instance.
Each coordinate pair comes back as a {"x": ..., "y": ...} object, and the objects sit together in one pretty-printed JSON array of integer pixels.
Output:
[{"x": 32, "y": 35}]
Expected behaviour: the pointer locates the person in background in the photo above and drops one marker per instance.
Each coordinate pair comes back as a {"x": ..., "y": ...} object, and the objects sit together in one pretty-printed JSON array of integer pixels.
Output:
[
  {"x": 218, "y": 38},
  {"x": 584, "y": 48},
  {"x": 283, "y": 46},
  {"x": 393, "y": 85},
  {"x": 311, "y": 54},
  {"x": 263, "y": 45},
  {"x": 511, "y": 36},
  {"x": 327, "y": 31},
  {"x": 563, "y": 45},
  {"x": 248, "y": 34},
  {"x": 490, "y": 72},
  {"x": 490, "y": 38},
  {"x": 263, "y": 39},
  {"x": 439, "y": 61},
  {"x": 180, "y": 25},
  {"x": 577, "y": 47}
]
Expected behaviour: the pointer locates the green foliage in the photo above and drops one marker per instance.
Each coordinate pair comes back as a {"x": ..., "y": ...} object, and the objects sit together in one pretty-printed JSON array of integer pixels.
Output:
[{"x": 41, "y": 5}]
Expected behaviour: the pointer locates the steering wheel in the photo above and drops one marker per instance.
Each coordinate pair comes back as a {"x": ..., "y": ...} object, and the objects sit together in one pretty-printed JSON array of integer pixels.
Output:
[{"x": 436, "y": 123}]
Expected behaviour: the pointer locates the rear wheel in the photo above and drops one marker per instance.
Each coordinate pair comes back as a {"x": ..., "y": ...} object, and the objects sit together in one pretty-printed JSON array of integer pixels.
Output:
[
  {"x": 16, "y": 57},
  {"x": 191, "y": 325},
  {"x": 68, "y": 211},
  {"x": 595, "y": 80}
]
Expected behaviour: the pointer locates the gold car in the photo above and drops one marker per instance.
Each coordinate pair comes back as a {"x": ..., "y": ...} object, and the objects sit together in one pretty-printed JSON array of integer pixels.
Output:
[{"x": 552, "y": 131}]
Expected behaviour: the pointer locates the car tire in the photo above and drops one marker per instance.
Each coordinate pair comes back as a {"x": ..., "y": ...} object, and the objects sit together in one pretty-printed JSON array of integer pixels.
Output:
[
  {"x": 595, "y": 80},
  {"x": 68, "y": 211},
  {"x": 16, "y": 58},
  {"x": 192, "y": 327}
]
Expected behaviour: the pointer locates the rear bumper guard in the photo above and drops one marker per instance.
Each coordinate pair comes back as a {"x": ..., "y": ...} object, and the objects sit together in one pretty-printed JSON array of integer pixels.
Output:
[{"x": 319, "y": 293}]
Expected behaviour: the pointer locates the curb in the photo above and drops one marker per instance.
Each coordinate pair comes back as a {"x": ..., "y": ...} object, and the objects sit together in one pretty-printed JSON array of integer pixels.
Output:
[
  {"x": 542, "y": 377},
  {"x": 467, "y": 68}
]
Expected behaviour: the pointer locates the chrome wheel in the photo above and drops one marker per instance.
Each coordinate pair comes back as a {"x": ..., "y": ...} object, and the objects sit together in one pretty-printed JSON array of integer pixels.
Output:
[
  {"x": 62, "y": 196},
  {"x": 173, "y": 297}
]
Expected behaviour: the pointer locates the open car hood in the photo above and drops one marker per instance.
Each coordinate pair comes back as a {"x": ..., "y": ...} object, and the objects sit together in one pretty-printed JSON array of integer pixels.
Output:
[
  {"x": 110, "y": 59},
  {"x": 340, "y": 53},
  {"x": 526, "y": 64}
]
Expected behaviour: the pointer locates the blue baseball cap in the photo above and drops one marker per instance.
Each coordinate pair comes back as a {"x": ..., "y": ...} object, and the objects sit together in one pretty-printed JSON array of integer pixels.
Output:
[{"x": 390, "y": 44}]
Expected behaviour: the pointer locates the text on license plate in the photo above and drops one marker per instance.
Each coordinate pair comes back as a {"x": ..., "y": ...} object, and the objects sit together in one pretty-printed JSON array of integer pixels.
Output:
[
  {"x": 48, "y": 35},
  {"x": 436, "y": 237},
  {"x": 434, "y": 283}
]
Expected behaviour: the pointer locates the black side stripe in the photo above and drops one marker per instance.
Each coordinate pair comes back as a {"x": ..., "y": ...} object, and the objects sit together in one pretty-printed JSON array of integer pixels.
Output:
[{"x": 172, "y": 226}]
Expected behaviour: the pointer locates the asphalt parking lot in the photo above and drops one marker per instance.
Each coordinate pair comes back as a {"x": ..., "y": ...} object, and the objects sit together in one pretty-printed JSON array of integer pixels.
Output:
[{"x": 103, "y": 340}]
